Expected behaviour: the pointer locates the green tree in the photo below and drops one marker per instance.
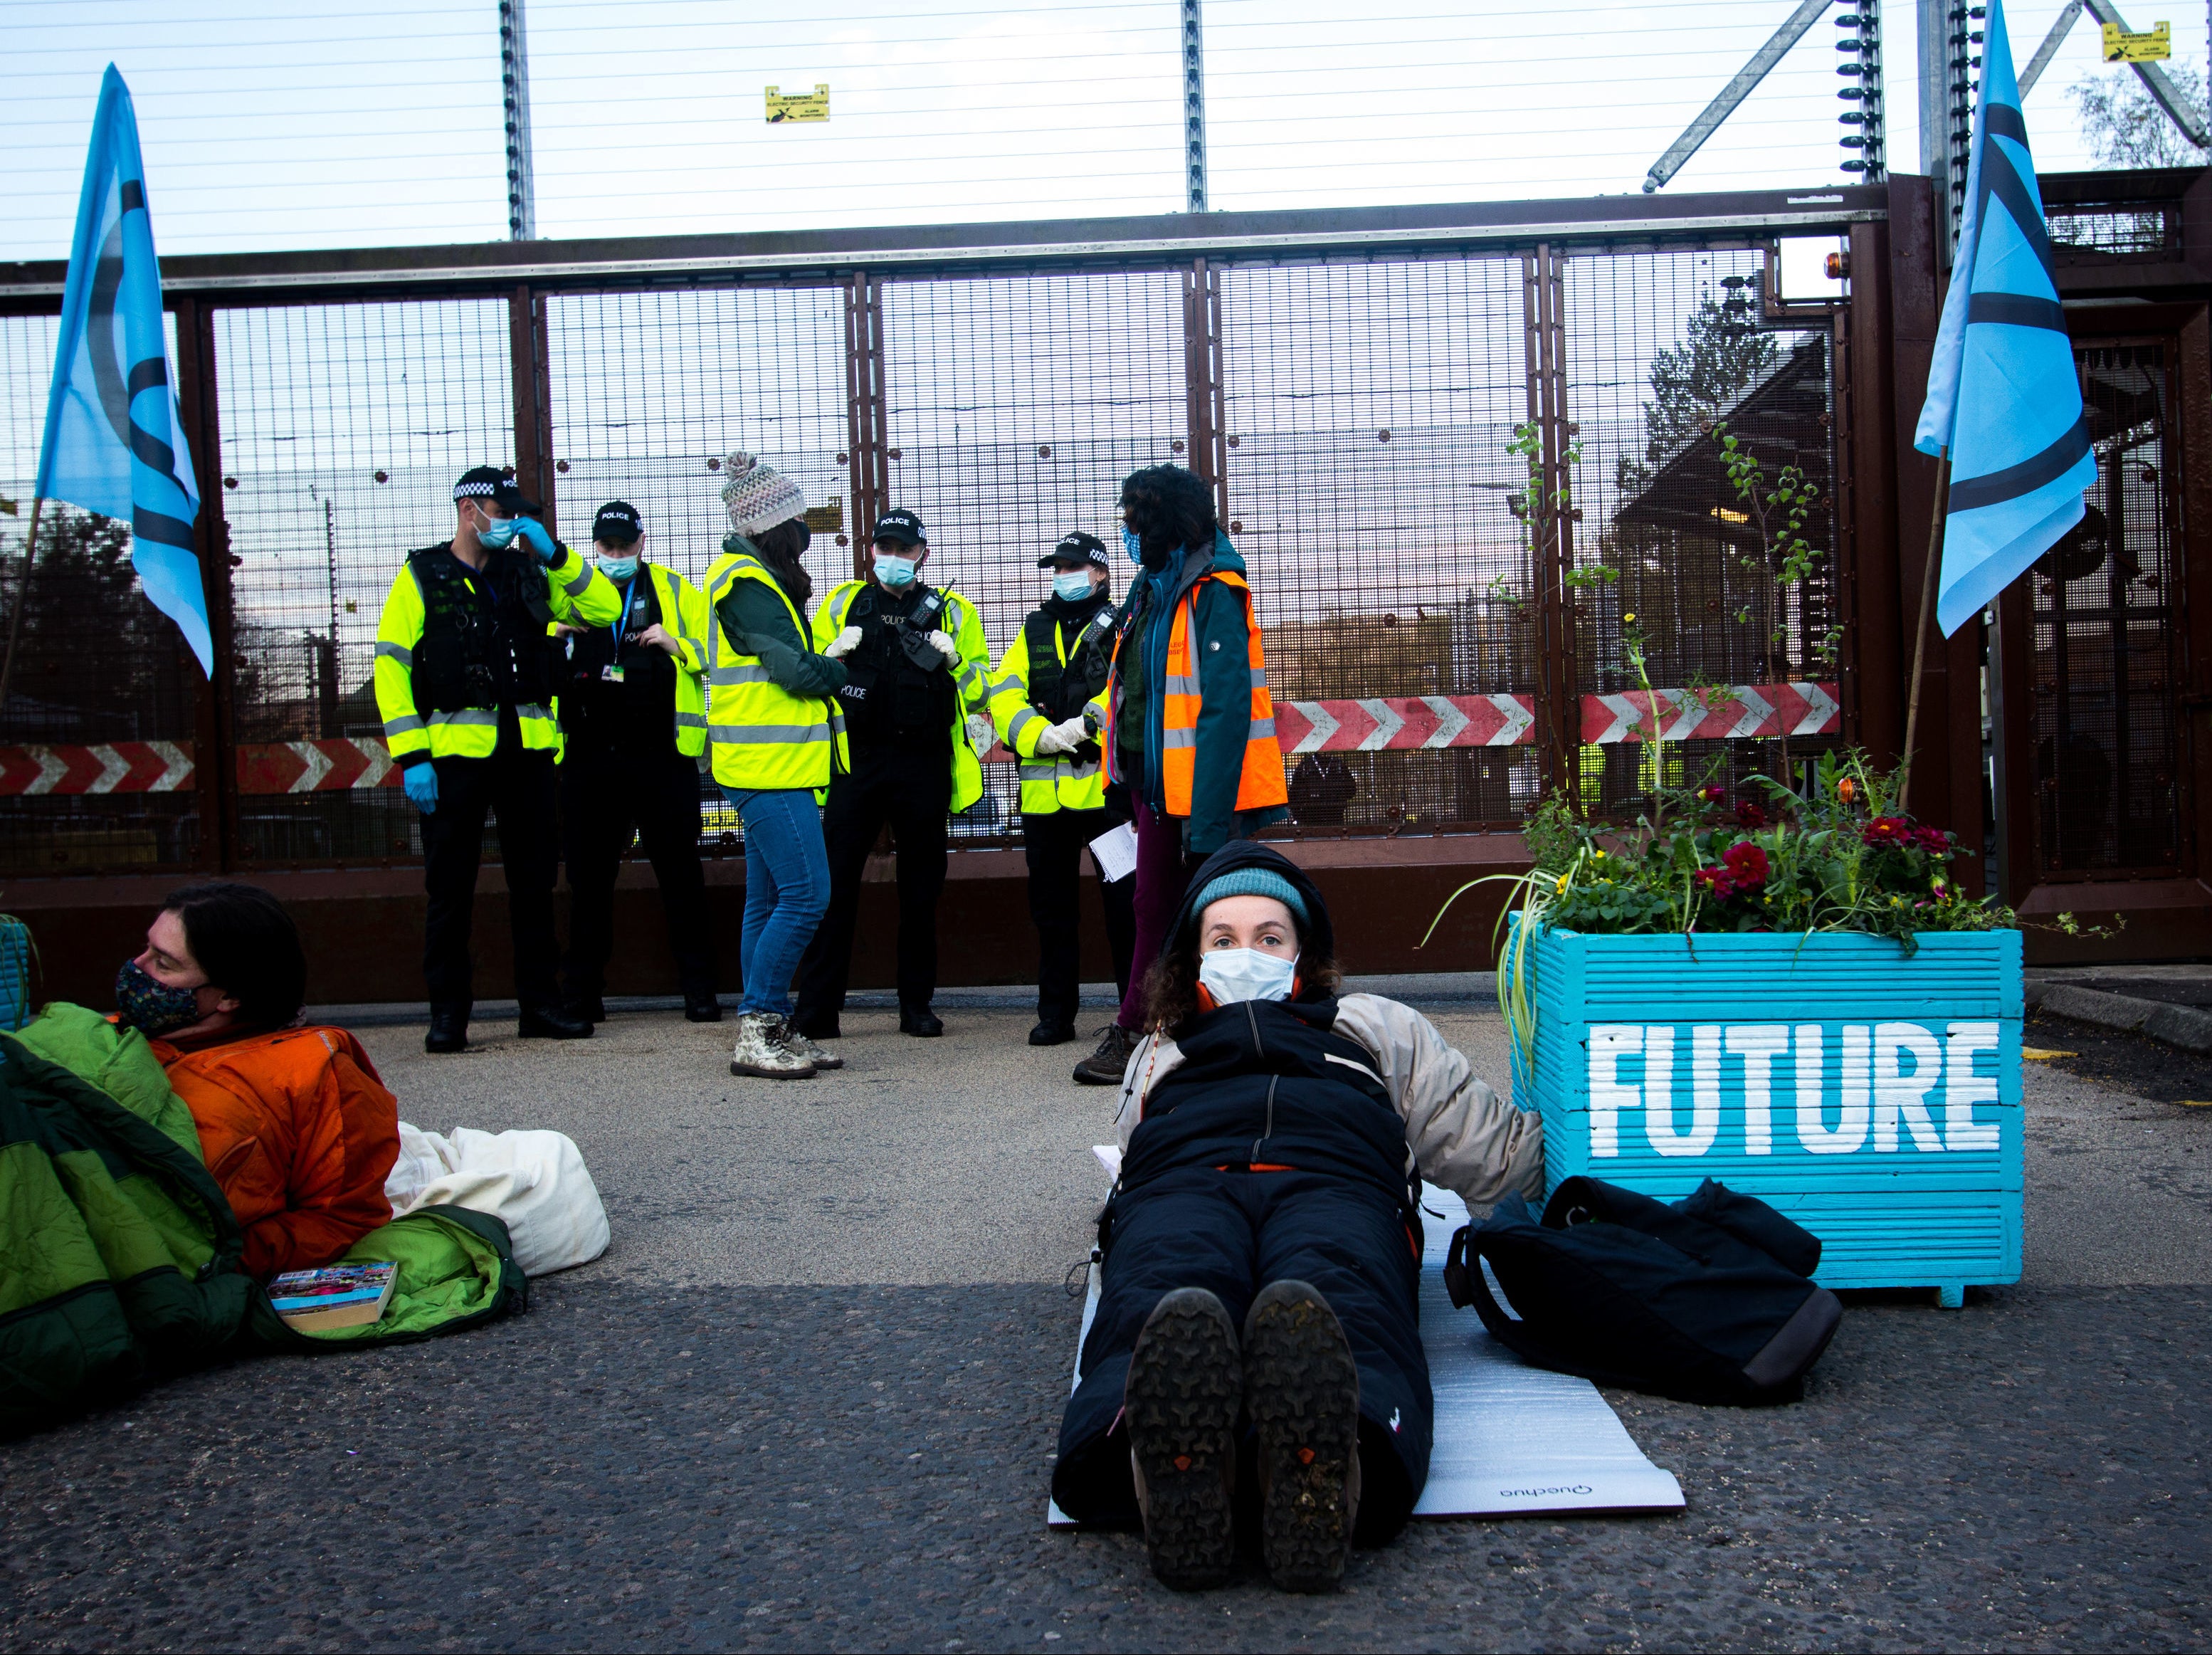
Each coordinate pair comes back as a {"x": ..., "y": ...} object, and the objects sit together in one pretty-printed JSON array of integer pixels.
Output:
[
  {"x": 2124, "y": 127},
  {"x": 1694, "y": 382}
]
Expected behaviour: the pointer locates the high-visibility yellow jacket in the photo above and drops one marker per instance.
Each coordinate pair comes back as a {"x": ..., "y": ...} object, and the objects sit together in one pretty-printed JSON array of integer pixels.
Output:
[
  {"x": 415, "y": 731},
  {"x": 971, "y": 674},
  {"x": 763, "y": 736},
  {"x": 684, "y": 616},
  {"x": 1050, "y": 782}
]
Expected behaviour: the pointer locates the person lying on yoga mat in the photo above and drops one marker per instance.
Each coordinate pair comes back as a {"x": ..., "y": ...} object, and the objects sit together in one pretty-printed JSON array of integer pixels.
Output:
[{"x": 1255, "y": 1344}]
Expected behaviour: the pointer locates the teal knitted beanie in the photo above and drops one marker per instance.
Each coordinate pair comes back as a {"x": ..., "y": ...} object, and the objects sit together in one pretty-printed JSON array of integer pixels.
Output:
[{"x": 1254, "y": 882}]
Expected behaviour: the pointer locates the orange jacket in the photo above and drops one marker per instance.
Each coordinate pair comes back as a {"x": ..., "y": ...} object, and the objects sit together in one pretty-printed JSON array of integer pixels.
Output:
[{"x": 299, "y": 1132}]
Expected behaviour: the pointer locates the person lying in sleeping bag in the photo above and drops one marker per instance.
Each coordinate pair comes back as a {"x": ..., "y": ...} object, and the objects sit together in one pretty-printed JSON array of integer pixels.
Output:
[
  {"x": 294, "y": 1123},
  {"x": 1255, "y": 1344}
]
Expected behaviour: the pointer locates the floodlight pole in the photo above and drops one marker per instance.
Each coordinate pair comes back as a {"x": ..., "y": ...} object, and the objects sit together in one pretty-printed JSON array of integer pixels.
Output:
[
  {"x": 1194, "y": 105},
  {"x": 514, "y": 83},
  {"x": 1746, "y": 78}
]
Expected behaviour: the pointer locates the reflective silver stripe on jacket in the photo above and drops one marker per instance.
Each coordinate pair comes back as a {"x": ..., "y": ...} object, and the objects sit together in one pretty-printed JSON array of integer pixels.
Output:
[
  {"x": 784, "y": 734},
  {"x": 468, "y": 715},
  {"x": 729, "y": 675},
  {"x": 1181, "y": 739},
  {"x": 399, "y": 652},
  {"x": 530, "y": 710},
  {"x": 1263, "y": 729},
  {"x": 405, "y": 724},
  {"x": 1082, "y": 772},
  {"x": 574, "y": 587},
  {"x": 1175, "y": 684},
  {"x": 1259, "y": 678},
  {"x": 1022, "y": 721},
  {"x": 690, "y": 720},
  {"x": 1038, "y": 772}
]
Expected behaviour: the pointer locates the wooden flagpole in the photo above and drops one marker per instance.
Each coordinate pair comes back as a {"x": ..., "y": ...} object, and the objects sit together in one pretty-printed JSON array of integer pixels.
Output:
[
  {"x": 1927, "y": 614},
  {"x": 23, "y": 602}
]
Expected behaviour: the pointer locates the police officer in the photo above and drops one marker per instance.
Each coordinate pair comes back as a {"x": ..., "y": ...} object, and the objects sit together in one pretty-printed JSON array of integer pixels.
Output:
[
  {"x": 1057, "y": 662},
  {"x": 634, "y": 719},
  {"x": 916, "y": 677},
  {"x": 465, "y": 676}
]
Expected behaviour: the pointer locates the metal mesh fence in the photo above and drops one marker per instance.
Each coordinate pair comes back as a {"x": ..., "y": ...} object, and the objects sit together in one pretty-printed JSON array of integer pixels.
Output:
[
  {"x": 93, "y": 662},
  {"x": 1013, "y": 407},
  {"x": 344, "y": 427},
  {"x": 1665, "y": 354},
  {"x": 1368, "y": 410},
  {"x": 651, "y": 391},
  {"x": 2107, "y": 749}
]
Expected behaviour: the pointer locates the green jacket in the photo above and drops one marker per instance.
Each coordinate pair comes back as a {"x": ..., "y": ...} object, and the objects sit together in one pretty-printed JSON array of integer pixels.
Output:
[{"x": 119, "y": 1259}]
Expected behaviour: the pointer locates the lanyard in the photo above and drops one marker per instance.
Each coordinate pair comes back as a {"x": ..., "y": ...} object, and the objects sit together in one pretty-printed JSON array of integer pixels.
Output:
[{"x": 629, "y": 597}]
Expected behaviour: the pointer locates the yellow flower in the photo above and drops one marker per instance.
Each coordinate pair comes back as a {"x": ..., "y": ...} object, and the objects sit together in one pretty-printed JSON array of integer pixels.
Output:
[
  {"x": 1629, "y": 617},
  {"x": 1597, "y": 856},
  {"x": 1560, "y": 888}
]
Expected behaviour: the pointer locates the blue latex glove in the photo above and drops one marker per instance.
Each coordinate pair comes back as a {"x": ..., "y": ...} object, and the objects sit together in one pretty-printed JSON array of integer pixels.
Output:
[
  {"x": 420, "y": 781},
  {"x": 533, "y": 535}
]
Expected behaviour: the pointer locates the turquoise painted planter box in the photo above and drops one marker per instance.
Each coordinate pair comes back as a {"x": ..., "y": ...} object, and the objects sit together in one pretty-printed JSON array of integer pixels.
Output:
[{"x": 1873, "y": 1098}]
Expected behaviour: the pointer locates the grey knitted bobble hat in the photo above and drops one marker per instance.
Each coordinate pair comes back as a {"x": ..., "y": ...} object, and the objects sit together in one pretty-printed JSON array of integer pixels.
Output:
[{"x": 758, "y": 496}]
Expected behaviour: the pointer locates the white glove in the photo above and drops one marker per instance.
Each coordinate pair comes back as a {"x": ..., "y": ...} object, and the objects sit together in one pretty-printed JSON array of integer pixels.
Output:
[
  {"x": 844, "y": 643},
  {"x": 1054, "y": 740},
  {"x": 1074, "y": 732},
  {"x": 981, "y": 733},
  {"x": 942, "y": 643}
]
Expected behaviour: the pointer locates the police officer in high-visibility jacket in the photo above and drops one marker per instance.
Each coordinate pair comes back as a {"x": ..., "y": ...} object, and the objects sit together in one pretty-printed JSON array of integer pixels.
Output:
[
  {"x": 466, "y": 682},
  {"x": 634, "y": 719},
  {"x": 1189, "y": 727},
  {"x": 917, "y": 677},
  {"x": 1056, "y": 664}
]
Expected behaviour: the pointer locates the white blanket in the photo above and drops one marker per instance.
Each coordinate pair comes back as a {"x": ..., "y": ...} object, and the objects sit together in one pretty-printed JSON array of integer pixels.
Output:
[{"x": 533, "y": 1181}]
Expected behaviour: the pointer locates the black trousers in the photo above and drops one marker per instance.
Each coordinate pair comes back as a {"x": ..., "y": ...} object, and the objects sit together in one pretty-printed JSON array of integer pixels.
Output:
[
  {"x": 911, "y": 788},
  {"x": 606, "y": 796},
  {"x": 1055, "y": 845},
  {"x": 515, "y": 784},
  {"x": 1233, "y": 1233}
]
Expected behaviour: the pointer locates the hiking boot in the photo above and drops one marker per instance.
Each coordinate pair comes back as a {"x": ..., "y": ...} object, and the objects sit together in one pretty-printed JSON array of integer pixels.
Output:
[
  {"x": 1301, "y": 1394},
  {"x": 1048, "y": 1033},
  {"x": 1104, "y": 1065},
  {"x": 760, "y": 1051},
  {"x": 550, "y": 1023},
  {"x": 448, "y": 1031},
  {"x": 1180, "y": 1404},
  {"x": 813, "y": 1054}
]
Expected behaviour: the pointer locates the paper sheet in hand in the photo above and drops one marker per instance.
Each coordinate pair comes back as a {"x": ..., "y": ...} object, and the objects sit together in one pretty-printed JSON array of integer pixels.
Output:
[
  {"x": 1509, "y": 1438},
  {"x": 1116, "y": 853}
]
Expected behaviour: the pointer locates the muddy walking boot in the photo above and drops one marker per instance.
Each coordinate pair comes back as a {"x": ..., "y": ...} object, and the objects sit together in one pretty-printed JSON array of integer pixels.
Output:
[
  {"x": 1104, "y": 1065},
  {"x": 1302, "y": 1396},
  {"x": 1180, "y": 1404},
  {"x": 762, "y": 1052}
]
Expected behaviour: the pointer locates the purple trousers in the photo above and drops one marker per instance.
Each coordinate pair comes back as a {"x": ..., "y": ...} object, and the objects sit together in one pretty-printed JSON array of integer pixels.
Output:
[{"x": 1162, "y": 876}]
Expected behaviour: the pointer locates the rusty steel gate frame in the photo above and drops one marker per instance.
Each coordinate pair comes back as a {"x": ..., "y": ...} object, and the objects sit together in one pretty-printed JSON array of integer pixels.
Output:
[{"x": 858, "y": 267}]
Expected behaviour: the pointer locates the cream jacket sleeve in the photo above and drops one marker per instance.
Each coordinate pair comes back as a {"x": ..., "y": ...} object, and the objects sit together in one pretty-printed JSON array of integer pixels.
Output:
[{"x": 1459, "y": 1132}]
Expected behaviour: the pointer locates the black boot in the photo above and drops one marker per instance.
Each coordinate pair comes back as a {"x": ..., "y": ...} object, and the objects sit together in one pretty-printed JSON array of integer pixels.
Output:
[
  {"x": 923, "y": 1022},
  {"x": 550, "y": 1023},
  {"x": 701, "y": 1008},
  {"x": 449, "y": 1029},
  {"x": 1048, "y": 1033},
  {"x": 586, "y": 1009}
]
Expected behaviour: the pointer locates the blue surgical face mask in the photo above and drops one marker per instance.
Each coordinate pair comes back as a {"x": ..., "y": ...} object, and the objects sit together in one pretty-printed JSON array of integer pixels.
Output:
[
  {"x": 616, "y": 568},
  {"x": 150, "y": 1005},
  {"x": 1131, "y": 545},
  {"x": 498, "y": 531},
  {"x": 896, "y": 573},
  {"x": 1074, "y": 586},
  {"x": 1232, "y": 975}
]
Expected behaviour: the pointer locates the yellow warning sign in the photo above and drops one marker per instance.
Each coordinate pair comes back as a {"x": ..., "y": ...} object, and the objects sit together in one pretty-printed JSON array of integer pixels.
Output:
[
  {"x": 815, "y": 106},
  {"x": 2122, "y": 47}
]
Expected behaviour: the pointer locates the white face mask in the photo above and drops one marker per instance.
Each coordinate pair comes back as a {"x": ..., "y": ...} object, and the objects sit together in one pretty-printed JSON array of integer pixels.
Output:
[
  {"x": 617, "y": 568},
  {"x": 1232, "y": 975},
  {"x": 1073, "y": 587},
  {"x": 896, "y": 573}
]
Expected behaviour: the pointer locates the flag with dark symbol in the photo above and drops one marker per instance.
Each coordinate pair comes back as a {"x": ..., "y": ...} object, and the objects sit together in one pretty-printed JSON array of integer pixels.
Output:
[
  {"x": 114, "y": 442},
  {"x": 2002, "y": 392}
]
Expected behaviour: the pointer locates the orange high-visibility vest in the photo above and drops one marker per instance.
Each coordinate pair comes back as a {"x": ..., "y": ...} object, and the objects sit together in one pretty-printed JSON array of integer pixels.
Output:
[{"x": 1261, "y": 784}]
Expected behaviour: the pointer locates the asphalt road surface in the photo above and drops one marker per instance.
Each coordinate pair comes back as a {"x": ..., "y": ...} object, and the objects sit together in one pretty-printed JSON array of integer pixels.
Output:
[{"x": 809, "y": 1399}]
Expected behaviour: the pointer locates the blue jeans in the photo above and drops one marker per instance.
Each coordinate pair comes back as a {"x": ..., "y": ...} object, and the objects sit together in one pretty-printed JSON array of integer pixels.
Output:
[{"x": 786, "y": 890}]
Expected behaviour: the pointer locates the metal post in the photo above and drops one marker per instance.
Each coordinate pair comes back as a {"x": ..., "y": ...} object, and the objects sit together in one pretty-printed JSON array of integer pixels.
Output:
[
  {"x": 1935, "y": 116},
  {"x": 1194, "y": 105},
  {"x": 1871, "y": 163},
  {"x": 514, "y": 79},
  {"x": 1746, "y": 79}
]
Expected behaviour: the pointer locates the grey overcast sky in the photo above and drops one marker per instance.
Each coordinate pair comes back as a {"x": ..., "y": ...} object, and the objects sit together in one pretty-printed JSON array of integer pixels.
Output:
[{"x": 272, "y": 124}]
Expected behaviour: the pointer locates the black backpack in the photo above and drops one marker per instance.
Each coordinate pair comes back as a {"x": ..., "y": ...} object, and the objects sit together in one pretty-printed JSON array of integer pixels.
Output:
[{"x": 1706, "y": 1300}]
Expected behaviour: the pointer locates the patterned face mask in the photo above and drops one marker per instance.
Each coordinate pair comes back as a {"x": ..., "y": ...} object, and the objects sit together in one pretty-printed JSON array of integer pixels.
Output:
[{"x": 151, "y": 1006}]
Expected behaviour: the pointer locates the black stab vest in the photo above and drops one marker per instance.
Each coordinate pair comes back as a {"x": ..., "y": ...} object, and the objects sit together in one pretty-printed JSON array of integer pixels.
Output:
[{"x": 471, "y": 655}]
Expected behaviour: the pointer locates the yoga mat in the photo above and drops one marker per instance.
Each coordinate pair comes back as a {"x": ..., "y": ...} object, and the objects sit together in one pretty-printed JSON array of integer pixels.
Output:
[{"x": 1509, "y": 1439}]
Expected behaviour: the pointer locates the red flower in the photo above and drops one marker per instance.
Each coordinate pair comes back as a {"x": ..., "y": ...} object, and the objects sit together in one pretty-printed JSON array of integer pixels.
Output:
[
  {"x": 1713, "y": 794},
  {"x": 1717, "y": 882},
  {"x": 1747, "y": 864},
  {"x": 1935, "y": 840},
  {"x": 1748, "y": 815},
  {"x": 1886, "y": 830}
]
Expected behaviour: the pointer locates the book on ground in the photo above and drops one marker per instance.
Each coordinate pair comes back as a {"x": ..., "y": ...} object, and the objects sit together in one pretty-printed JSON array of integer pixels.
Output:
[{"x": 335, "y": 1296}]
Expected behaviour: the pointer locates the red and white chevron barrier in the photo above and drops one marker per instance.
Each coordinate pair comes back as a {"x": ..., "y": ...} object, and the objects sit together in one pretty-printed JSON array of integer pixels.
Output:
[
  {"x": 109, "y": 767},
  {"x": 1375, "y": 724}
]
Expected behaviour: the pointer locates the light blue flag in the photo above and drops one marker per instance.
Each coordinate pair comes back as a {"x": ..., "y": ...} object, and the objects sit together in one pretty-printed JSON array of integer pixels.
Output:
[
  {"x": 2002, "y": 393},
  {"x": 114, "y": 443}
]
